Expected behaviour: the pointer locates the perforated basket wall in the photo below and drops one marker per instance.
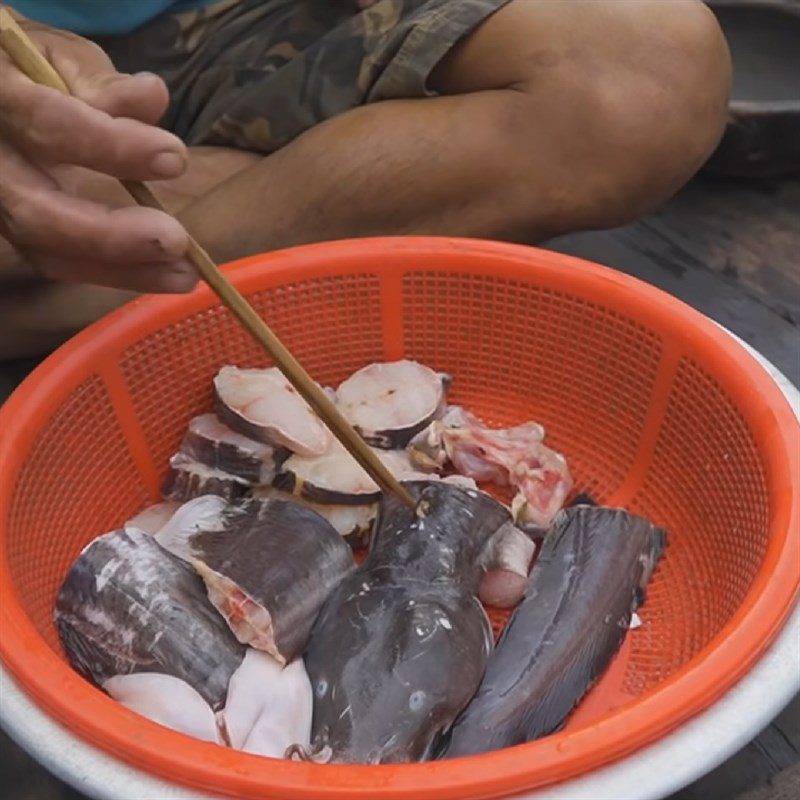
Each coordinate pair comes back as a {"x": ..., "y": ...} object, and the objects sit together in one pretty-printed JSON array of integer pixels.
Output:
[{"x": 648, "y": 408}]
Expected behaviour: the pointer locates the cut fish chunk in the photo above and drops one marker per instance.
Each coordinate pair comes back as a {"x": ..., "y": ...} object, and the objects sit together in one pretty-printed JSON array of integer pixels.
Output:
[
  {"x": 167, "y": 700},
  {"x": 590, "y": 576},
  {"x": 263, "y": 405},
  {"x": 512, "y": 456},
  {"x": 268, "y": 566},
  {"x": 400, "y": 645},
  {"x": 354, "y": 523},
  {"x": 188, "y": 479},
  {"x": 388, "y": 403},
  {"x": 269, "y": 707},
  {"x": 210, "y": 442},
  {"x": 127, "y": 605},
  {"x": 336, "y": 477},
  {"x": 204, "y": 513}
]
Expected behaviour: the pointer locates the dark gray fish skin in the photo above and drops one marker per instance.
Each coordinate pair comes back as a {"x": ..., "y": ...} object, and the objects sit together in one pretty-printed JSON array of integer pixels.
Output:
[
  {"x": 218, "y": 447},
  {"x": 127, "y": 605},
  {"x": 399, "y": 648},
  {"x": 285, "y": 557},
  {"x": 589, "y": 578},
  {"x": 583, "y": 499},
  {"x": 188, "y": 479}
]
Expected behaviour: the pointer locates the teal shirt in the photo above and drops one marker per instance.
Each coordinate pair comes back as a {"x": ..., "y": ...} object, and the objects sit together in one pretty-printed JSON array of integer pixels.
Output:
[{"x": 99, "y": 17}]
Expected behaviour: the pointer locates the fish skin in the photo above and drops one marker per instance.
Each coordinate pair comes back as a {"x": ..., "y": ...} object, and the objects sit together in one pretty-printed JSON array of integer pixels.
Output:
[
  {"x": 210, "y": 442},
  {"x": 188, "y": 479},
  {"x": 565, "y": 632},
  {"x": 400, "y": 646},
  {"x": 127, "y": 605},
  {"x": 285, "y": 557}
]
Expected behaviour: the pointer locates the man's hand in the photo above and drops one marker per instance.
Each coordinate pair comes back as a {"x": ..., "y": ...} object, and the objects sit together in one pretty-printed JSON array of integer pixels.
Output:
[{"x": 107, "y": 126}]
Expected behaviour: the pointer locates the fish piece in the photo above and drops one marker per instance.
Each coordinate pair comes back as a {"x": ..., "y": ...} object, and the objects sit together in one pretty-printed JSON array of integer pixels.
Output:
[
  {"x": 167, "y": 700},
  {"x": 388, "y": 403},
  {"x": 506, "y": 560},
  {"x": 263, "y": 405},
  {"x": 400, "y": 646},
  {"x": 464, "y": 481},
  {"x": 269, "y": 706},
  {"x": 127, "y": 605},
  {"x": 514, "y": 457},
  {"x": 336, "y": 478},
  {"x": 210, "y": 442},
  {"x": 188, "y": 479},
  {"x": 582, "y": 499},
  {"x": 589, "y": 578},
  {"x": 353, "y": 523},
  {"x": 268, "y": 565},
  {"x": 204, "y": 513},
  {"x": 537, "y": 532},
  {"x": 153, "y": 518}
]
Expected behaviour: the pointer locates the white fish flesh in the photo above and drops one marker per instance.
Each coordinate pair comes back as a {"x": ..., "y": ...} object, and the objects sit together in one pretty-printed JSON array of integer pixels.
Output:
[
  {"x": 153, "y": 518},
  {"x": 506, "y": 560},
  {"x": 167, "y": 700},
  {"x": 353, "y": 523},
  {"x": 127, "y": 605},
  {"x": 388, "y": 403},
  {"x": 464, "y": 481},
  {"x": 514, "y": 457},
  {"x": 204, "y": 513},
  {"x": 261, "y": 404},
  {"x": 336, "y": 478},
  {"x": 269, "y": 707}
]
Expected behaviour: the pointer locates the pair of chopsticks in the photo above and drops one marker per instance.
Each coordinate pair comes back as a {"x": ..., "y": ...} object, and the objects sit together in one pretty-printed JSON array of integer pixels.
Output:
[{"x": 30, "y": 60}]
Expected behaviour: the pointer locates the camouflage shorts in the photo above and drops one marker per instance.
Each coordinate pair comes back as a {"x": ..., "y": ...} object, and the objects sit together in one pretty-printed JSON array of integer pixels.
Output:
[{"x": 254, "y": 74}]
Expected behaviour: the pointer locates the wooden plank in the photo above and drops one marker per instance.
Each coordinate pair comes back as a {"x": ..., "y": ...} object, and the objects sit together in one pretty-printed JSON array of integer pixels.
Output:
[
  {"x": 747, "y": 232},
  {"x": 745, "y": 275}
]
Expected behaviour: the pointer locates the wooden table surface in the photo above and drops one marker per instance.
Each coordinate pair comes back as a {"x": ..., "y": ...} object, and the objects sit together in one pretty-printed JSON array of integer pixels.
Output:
[{"x": 730, "y": 249}]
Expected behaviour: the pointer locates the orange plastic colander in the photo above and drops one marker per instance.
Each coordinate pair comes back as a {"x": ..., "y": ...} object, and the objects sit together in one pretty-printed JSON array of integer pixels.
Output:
[{"x": 655, "y": 407}]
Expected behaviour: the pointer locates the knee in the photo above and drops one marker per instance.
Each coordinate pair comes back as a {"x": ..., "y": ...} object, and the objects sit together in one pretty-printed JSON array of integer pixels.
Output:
[
  {"x": 629, "y": 110},
  {"x": 667, "y": 112}
]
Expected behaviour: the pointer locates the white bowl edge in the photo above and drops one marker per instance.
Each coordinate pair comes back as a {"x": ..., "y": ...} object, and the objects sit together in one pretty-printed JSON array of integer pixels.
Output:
[{"x": 651, "y": 773}]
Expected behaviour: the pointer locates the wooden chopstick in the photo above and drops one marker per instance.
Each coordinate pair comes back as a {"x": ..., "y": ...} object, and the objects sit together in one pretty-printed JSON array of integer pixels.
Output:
[{"x": 30, "y": 60}]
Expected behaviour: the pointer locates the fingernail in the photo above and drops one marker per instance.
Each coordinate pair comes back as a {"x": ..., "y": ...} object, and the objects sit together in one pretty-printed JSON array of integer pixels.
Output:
[
  {"x": 145, "y": 74},
  {"x": 168, "y": 164}
]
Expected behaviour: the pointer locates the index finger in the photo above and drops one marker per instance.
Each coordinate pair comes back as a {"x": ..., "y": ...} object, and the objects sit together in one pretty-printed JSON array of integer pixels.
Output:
[{"x": 54, "y": 128}]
